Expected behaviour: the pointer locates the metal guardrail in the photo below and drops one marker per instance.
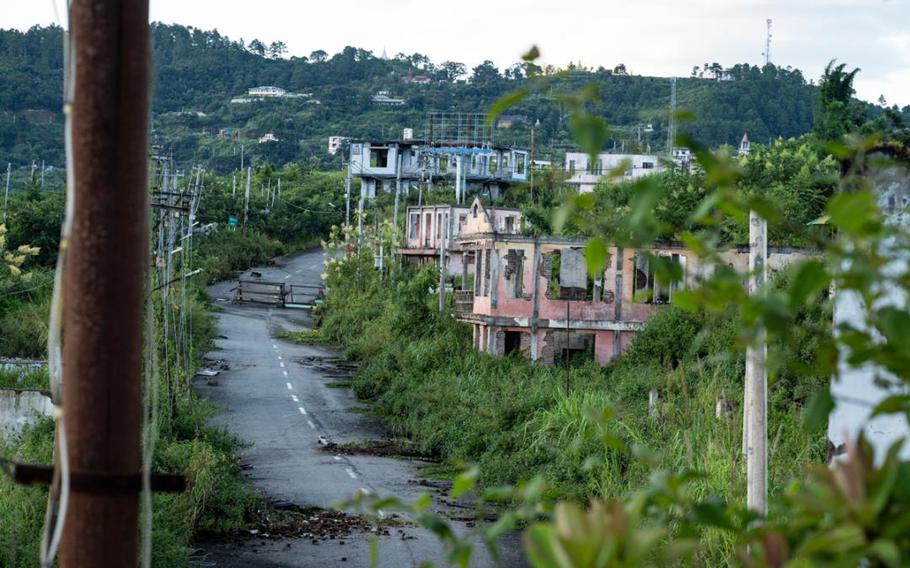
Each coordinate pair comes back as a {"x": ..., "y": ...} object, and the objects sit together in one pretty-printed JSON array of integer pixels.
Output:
[{"x": 280, "y": 294}]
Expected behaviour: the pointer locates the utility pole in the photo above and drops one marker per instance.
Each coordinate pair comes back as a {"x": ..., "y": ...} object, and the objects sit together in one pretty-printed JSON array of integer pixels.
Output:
[
  {"x": 104, "y": 280},
  {"x": 755, "y": 408},
  {"x": 671, "y": 128},
  {"x": 443, "y": 245},
  {"x": 9, "y": 167},
  {"x": 531, "y": 159},
  {"x": 395, "y": 209},
  {"x": 347, "y": 199},
  {"x": 246, "y": 197}
]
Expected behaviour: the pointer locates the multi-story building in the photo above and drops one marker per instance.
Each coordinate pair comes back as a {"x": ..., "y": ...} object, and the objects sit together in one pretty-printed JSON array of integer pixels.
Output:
[
  {"x": 336, "y": 142},
  {"x": 485, "y": 170},
  {"x": 585, "y": 174},
  {"x": 427, "y": 226},
  {"x": 533, "y": 295},
  {"x": 266, "y": 91}
]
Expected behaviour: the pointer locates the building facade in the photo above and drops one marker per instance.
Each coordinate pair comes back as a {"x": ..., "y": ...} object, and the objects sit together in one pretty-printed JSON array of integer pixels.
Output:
[
  {"x": 433, "y": 232},
  {"x": 585, "y": 174},
  {"x": 485, "y": 171},
  {"x": 533, "y": 295}
]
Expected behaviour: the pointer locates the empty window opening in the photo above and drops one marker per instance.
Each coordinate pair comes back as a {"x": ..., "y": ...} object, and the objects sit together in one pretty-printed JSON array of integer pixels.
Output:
[
  {"x": 379, "y": 157},
  {"x": 512, "y": 343}
]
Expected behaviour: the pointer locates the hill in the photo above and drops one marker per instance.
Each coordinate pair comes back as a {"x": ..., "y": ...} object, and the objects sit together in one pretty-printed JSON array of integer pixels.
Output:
[{"x": 198, "y": 73}]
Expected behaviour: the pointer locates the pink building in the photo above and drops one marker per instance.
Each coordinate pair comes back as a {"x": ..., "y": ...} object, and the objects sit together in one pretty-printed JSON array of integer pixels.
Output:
[
  {"x": 427, "y": 226},
  {"x": 533, "y": 295}
]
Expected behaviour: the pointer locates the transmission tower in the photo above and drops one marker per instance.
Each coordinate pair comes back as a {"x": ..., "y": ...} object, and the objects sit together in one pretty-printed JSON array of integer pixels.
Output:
[{"x": 767, "y": 52}]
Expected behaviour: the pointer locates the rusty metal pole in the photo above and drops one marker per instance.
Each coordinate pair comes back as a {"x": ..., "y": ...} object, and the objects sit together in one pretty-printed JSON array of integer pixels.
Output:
[{"x": 104, "y": 279}]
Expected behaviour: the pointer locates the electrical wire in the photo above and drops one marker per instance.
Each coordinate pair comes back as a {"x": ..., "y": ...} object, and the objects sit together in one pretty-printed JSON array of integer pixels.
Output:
[{"x": 58, "y": 496}]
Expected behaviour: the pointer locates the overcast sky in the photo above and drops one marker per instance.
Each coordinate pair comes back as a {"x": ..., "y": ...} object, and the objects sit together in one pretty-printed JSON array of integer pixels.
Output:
[{"x": 652, "y": 37}]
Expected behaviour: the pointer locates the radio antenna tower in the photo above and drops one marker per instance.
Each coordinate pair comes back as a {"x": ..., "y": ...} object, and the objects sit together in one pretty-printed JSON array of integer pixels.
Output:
[
  {"x": 767, "y": 52},
  {"x": 671, "y": 128}
]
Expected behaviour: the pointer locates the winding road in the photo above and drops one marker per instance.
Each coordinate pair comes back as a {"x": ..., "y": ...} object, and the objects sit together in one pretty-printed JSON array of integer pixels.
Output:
[{"x": 274, "y": 396}]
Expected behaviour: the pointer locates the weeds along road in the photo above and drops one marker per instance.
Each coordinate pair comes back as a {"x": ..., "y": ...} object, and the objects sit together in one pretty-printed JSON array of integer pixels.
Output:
[{"x": 274, "y": 397}]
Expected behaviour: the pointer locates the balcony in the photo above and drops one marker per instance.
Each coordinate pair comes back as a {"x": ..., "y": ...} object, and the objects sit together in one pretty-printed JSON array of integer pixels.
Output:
[{"x": 464, "y": 302}]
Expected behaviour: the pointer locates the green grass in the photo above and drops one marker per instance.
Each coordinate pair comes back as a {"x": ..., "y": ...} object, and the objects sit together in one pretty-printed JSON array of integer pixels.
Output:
[
  {"x": 515, "y": 420},
  {"x": 36, "y": 379},
  {"x": 303, "y": 337}
]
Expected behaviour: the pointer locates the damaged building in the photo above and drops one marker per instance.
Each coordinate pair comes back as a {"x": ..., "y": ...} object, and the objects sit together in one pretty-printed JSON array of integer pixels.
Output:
[
  {"x": 533, "y": 295},
  {"x": 428, "y": 225}
]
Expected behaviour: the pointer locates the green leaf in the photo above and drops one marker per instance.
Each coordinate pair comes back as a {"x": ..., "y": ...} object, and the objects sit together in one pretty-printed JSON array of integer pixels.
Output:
[
  {"x": 886, "y": 551},
  {"x": 686, "y": 300},
  {"x": 811, "y": 278},
  {"x": 596, "y": 256},
  {"x": 892, "y": 405},
  {"x": 855, "y": 213},
  {"x": 374, "y": 552},
  {"x": 532, "y": 54},
  {"x": 894, "y": 324},
  {"x": 504, "y": 103},
  {"x": 712, "y": 514},
  {"x": 820, "y": 406},
  {"x": 465, "y": 482},
  {"x": 589, "y": 132}
]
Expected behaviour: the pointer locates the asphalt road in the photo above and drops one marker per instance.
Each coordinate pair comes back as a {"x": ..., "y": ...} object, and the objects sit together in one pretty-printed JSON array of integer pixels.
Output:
[{"x": 274, "y": 396}]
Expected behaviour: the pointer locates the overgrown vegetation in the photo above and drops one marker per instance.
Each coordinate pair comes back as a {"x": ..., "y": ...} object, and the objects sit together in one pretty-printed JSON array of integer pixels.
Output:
[{"x": 511, "y": 417}]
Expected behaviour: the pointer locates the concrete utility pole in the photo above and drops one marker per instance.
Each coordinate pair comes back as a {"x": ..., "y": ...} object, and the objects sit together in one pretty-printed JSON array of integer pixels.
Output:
[
  {"x": 755, "y": 407},
  {"x": 443, "y": 245},
  {"x": 347, "y": 201},
  {"x": 246, "y": 196},
  {"x": 9, "y": 167},
  {"x": 395, "y": 210},
  {"x": 104, "y": 281}
]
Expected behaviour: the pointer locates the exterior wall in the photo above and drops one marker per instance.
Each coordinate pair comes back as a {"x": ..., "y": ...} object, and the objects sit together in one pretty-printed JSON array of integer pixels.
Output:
[
  {"x": 604, "y": 323},
  {"x": 586, "y": 175},
  {"x": 19, "y": 408}
]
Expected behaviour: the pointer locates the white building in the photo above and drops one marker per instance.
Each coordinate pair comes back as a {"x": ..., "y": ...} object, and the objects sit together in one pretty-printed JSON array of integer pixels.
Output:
[
  {"x": 585, "y": 174},
  {"x": 486, "y": 171},
  {"x": 336, "y": 142},
  {"x": 384, "y": 98},
  {"x": 268, "y": 137},
  {"x": 267, "y": 91}
]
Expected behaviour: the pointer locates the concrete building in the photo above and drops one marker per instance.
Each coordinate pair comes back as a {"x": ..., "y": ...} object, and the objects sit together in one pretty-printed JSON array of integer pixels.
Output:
[
  {"x": 486, "y": 171},
  {"x": 585, "y": 174},
  {"x": 533, "y": 295},
  {"x": 427, "y": 225},
  {"x": 384, "y": 98},
  {"x": 336, "y": 142},
  {"x": 266, "y": 91},
  {"x": 268, "y": 137}
]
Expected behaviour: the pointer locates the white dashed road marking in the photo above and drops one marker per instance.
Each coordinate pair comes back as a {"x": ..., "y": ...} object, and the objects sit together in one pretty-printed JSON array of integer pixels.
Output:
[
  {"x": 350, "y": 473},
  {"x": 337, "y": 458},
  {"x": 279, "y": 357},
  {"x": 281, "y": 363},
  {"x": 290, "y": 386},
  {"x": 302, "y": 410},
  {"x": 294, "y": 398},
  {"x": 310, "y": 422},
  {"x": 285, "y": 373}
]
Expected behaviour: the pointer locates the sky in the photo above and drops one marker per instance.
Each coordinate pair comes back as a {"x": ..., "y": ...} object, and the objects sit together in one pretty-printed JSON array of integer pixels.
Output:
[{"x": 651, "y": 37}]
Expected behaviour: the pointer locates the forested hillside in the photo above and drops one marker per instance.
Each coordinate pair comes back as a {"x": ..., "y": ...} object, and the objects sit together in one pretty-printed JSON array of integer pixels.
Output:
[{"x": 198, "y": 72}]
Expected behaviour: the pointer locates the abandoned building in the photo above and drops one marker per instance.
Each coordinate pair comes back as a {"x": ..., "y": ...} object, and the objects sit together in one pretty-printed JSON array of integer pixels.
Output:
[
  {"x": 586, "y": 173},
  {"x": 427, "y": 224},
  {"x": 533, "y": 295},
  {"x": 484, "y": 170}
]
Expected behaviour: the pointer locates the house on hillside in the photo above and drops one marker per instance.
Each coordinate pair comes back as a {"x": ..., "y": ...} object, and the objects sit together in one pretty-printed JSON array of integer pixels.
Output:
[
  {"x": 585, "y": 174},
  {"x": 534, "y": 296},
  {"x": 385, "y": 98},
  {"x": 266, "y": 91},
  {"x": 268, "y": 137},
  {"x": 336, "y": 143}
]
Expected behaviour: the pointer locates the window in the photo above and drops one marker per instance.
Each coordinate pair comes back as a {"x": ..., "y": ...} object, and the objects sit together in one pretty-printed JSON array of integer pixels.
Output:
[
  {"x": 428, "y": 229},
  {"x": 647, "y": 165},
  {"x": 510, "y": 224},
  {"x": 379, "y": 157},
  {"x": 414, "y": 231},
  {"x": 645, "y": 286},
  {"x": 514, "y": 270},
  {"x": 571, "y": 166}
]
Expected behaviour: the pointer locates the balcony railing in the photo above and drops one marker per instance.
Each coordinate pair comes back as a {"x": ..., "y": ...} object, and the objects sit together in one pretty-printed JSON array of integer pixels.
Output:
[{"x": 464, "y": 302}]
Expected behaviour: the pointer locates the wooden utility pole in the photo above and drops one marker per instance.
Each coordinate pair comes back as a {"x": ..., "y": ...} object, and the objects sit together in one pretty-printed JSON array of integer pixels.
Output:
[
  {"x": 104, "y": 280},
  {"x": 755, "y": 407}
]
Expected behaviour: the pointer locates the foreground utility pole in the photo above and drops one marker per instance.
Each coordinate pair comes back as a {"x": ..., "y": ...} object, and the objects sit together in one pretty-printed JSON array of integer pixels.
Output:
[
  {"x": 9, "y": 167},
  {"x": 104, "y": 280},
  {"x": 755, "y": 407}
]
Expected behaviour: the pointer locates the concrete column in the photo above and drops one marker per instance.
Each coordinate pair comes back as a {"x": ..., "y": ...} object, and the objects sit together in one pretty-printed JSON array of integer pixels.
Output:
[
  {"x": 494, "y": 276},
  {"x": 617, "y": 300},
  {"x": 535, "y": 300}
]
